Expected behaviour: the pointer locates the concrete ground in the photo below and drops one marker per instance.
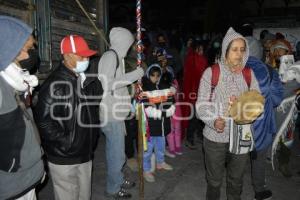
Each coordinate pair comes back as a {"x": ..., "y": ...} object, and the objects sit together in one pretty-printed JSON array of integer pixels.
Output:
[{"x": 187, "y": 180}]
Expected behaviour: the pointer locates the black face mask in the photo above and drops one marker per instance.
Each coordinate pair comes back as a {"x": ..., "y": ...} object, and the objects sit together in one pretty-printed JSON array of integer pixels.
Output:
[{"x": 32, "y": 62}]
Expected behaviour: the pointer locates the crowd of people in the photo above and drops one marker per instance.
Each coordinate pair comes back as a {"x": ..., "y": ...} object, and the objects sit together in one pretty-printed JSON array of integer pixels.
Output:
[{"x": 187, "y": 90}]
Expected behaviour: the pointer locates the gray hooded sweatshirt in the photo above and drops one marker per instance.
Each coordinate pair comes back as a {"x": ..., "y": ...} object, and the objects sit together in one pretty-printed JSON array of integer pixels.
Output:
[
  {"x": 116, "y": 104},
  {"x": 229, "y": 84},
  {"x": 31, "y": 165},
  {"x": 24, "y": 174}
]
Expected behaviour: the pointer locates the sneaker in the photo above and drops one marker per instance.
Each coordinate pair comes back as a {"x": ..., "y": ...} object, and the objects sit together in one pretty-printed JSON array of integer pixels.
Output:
[
  {"x": 122, "y": 194},
  {"x": 127, "y": 184},
  {"x": 132, "y": 164},
  {"x": 178, "y": 151},
  {"x": 164, "y": 166},
  {"x": 170, "y": 154},
  {"x": 264, "y": 195},
  {"x": 190, "y": 144},
  {"x": 148, "y": 176}
]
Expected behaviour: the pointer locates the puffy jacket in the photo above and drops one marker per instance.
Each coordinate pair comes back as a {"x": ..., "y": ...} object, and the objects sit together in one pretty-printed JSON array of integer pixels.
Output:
[
  {"x": 65, "y": 120},
  {"x": 159, "y": 112}
]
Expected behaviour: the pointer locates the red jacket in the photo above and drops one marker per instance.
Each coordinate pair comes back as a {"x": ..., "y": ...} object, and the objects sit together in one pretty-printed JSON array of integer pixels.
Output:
[{"x": 194, "y": 67}]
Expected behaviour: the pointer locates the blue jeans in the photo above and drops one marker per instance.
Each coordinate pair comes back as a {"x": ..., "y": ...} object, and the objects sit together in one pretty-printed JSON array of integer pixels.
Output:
[
  {"x": 115, "y": 155},
  {"x": 157, "y": 144}
]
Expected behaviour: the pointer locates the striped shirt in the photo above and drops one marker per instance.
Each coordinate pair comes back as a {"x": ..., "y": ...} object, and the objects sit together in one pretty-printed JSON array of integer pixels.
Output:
[{"x": 229, "y": 84}]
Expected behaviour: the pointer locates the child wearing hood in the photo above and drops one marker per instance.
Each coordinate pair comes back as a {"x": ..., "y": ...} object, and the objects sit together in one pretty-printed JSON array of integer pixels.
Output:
[
  {"x": 158, "y": 100},
  {"x": 212, "y": 107}
]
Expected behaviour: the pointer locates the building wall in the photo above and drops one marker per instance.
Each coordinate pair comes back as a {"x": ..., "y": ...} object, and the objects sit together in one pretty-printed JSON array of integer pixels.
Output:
[
  {"x": 22, "y": 9},
  {"x": 54, "y": 19}
]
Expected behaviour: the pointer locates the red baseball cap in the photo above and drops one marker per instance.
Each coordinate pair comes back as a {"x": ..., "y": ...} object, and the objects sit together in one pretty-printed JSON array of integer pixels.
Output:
[{"x": 77, "y": 45}]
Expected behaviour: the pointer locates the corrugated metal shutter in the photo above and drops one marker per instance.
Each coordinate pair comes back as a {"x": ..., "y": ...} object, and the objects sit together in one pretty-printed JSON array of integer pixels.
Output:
[
  {"x": 67, "y": 18},
  {"x": 54, "y": 19},
  {"x": 19, "y": 9}
]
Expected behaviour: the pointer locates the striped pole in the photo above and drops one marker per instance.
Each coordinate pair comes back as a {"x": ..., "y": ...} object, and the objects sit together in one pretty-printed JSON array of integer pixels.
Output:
[
  {"x": 139, "y": 32},
  {"x": 139, "y": 107}
]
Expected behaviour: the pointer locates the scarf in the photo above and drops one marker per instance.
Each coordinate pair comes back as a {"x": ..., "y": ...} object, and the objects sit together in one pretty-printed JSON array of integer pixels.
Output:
[{"x": 19, "y": 78}]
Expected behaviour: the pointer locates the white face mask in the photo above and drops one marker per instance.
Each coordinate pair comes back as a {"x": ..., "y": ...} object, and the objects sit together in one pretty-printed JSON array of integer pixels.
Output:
[
  {"x": 286, "y": 62},
  {"x": 294, "y": 72},
  {"x": 18, "y": 78},
  {"x": 81, "y": 66}
]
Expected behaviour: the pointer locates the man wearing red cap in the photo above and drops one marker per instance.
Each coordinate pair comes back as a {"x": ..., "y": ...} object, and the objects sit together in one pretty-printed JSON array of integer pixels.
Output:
[{"x": 66, "y": 121}]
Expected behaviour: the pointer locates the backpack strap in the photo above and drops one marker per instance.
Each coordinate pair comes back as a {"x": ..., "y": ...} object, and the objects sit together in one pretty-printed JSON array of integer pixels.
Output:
[
  {"x": 117, "y": 66},
  {"x": 215, "y": 73},
  {"x": 117, "y": 59},
  {"x": 247, "y": 75}
]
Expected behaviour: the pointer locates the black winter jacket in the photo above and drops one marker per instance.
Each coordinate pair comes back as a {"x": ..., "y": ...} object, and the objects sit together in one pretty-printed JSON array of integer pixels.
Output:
[
  {"x": 160, "y": 126},
  {"x": 65, "y": 120}
]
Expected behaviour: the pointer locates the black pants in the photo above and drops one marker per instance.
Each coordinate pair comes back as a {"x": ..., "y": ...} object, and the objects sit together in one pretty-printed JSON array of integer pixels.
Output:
[
  {"x": 216, "y": 157},
  {"x": 131, "y": 140},
  {"x": 258, "y": 166}
]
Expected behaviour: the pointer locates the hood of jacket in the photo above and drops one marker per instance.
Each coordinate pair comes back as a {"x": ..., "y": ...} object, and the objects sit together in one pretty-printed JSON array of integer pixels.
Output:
[
  {"x": 147, "y": 73},
  {"x": 13, "y": 35},
  {"x": 146, "y": 82},
  {"x": 120, "y": 40},
  {"x": 228, "y": 38}
]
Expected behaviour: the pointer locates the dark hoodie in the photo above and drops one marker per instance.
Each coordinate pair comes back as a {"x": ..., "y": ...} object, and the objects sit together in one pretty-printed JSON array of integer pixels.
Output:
[{"x": 158, "y": 112}]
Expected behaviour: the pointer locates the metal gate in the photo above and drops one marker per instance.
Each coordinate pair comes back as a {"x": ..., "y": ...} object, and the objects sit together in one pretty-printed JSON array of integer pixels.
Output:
[{"x": 54, "y": 19}]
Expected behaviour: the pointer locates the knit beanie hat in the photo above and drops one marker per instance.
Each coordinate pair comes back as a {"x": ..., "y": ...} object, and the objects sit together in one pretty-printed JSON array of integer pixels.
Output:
[{"x": 13, "y": 35}]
